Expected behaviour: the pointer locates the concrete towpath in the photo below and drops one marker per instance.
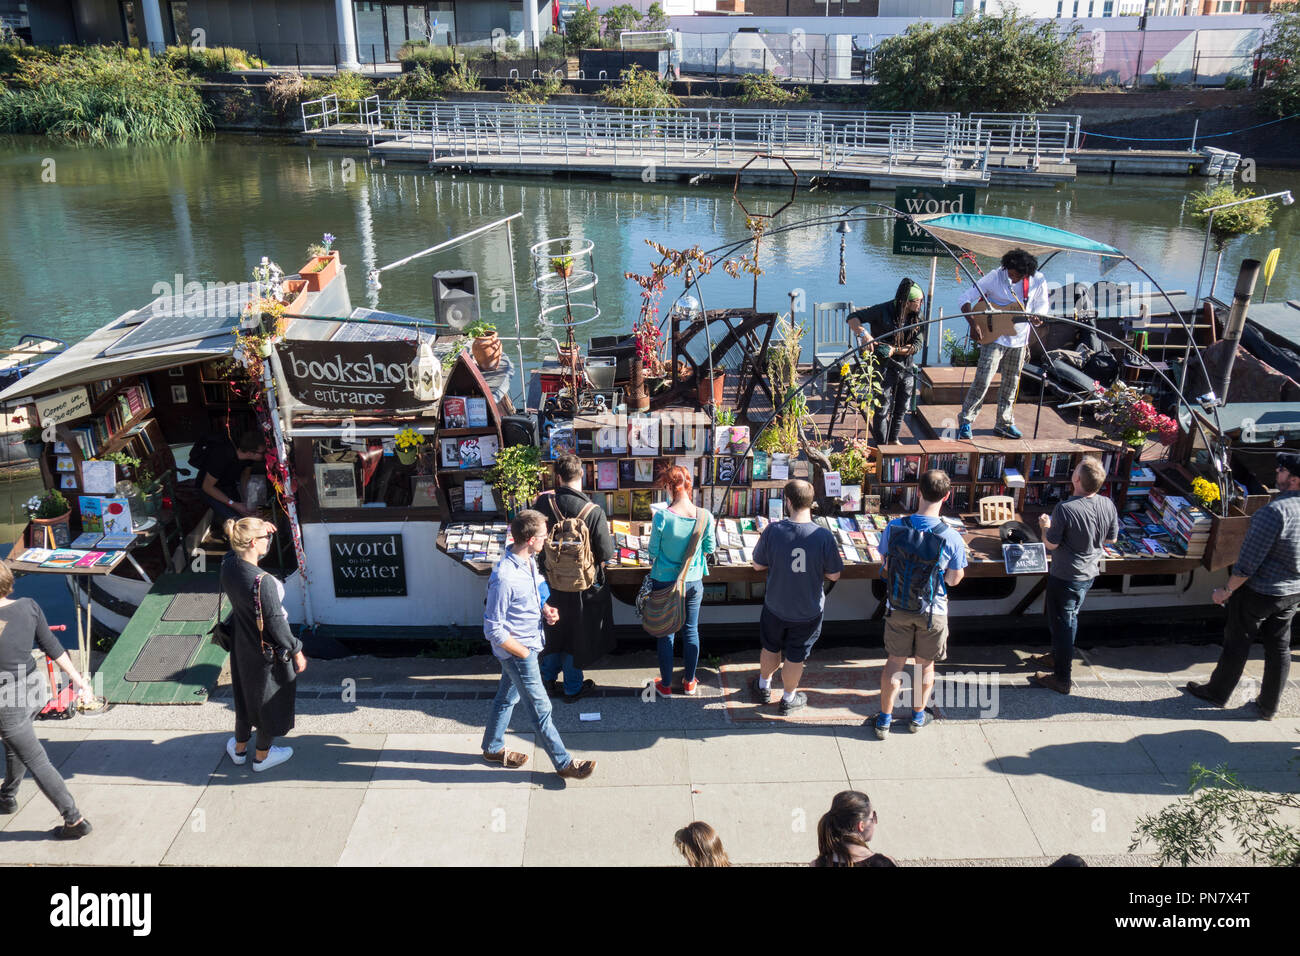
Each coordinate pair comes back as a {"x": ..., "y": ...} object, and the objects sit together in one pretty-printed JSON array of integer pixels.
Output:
[{"x": 387, "y": 770}]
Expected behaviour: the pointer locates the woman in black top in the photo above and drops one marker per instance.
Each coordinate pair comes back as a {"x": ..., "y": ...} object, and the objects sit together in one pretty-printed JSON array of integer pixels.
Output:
[
  {"x": 264, "y": 660},
  {"x": 22, "y": 695},
  {"x": 882, "y": 323}
]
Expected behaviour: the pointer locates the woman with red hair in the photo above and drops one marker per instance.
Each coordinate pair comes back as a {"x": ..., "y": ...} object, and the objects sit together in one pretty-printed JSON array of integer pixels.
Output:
[{"x": 670, "y": 539}]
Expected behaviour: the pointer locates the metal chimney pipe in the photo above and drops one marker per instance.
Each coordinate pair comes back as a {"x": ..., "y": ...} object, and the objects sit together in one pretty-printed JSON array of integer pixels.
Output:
[{"x": 1237, "y": 321}]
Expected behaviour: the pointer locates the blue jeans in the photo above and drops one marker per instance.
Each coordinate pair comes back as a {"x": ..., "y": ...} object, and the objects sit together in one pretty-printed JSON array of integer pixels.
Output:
[
  {"x": 520, "y": 677},
  {"x": 1062, "y": 603},
  {"x": 551, "y": 666},
  {"x": 690, "y": 634}
]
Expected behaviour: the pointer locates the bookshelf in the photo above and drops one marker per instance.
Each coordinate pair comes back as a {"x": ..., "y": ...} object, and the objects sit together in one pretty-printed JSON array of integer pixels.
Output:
[{"x": 465, "y": 451}]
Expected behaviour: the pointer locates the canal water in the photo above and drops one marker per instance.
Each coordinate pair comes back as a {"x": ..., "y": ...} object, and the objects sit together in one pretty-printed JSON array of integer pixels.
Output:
[{"x": 87, "y": 234}]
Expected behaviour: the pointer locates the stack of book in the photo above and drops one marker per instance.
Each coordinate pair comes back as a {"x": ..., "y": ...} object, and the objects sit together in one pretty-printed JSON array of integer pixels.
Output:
[
  {"x": 1140, "y": 482},
  {"x": 1188, "y": 526}
]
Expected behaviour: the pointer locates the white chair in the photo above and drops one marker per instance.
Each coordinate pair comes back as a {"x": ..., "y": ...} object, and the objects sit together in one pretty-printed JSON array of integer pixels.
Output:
[{"x": 831, "y": 335}]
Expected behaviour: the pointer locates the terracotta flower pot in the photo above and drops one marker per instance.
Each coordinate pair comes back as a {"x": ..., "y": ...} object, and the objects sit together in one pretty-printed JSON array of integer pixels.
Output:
[
  {"x": 295, "y": 292},
  {"x": 318, "y": 278},
  {"x": 487, "y": 351},
  {"x": 713, "y": 395}
]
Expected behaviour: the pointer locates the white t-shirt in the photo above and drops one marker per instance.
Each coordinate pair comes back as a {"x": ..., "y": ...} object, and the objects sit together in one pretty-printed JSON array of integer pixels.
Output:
[{"x": 998, "y": 289}]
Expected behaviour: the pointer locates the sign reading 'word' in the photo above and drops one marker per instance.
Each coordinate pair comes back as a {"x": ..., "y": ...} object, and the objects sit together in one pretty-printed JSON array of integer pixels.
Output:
[
  {"x": 912, "y": 240},
  {"x": 368, "y": 565}
]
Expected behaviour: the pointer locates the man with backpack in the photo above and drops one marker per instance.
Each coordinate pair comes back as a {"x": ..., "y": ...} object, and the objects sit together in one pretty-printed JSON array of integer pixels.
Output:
[
  {"x": 797, "y": 555},
  {"x": 578, "y": 544},
  {"x": 923, "y": 558}
]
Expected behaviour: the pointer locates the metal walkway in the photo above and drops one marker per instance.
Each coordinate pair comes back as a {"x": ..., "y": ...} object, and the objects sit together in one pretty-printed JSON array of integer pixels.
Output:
[{"x": 884, "y": 148}]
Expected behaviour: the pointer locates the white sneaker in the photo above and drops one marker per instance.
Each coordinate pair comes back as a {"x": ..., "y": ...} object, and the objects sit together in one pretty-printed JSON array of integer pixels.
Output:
[
  {"x": 277, "y": 756},
  {"x": 237, "y": 759}
]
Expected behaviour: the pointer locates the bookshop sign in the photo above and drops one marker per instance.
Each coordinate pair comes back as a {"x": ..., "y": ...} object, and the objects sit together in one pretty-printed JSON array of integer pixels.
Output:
[
  {"x": 368, "y": 565},
  {"x": 351, "y": 376}
]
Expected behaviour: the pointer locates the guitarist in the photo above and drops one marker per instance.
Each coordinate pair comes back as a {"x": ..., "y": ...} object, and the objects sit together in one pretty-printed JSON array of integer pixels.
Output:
[{"x": 1016, "y": 286}]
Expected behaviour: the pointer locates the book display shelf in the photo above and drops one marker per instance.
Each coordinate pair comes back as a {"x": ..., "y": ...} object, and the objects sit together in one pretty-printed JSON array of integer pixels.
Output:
[{"x": 468, "y": 439}]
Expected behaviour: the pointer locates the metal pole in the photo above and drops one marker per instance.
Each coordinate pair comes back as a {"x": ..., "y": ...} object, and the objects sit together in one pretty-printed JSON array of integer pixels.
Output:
[
  {"x": 1236, "y": 321},
  {"x": 1196, "y": 128},
  {"x": 290, "y": 504},
  {"x": 1196, "y": 305},
  {"x": 929, "y": 300}
]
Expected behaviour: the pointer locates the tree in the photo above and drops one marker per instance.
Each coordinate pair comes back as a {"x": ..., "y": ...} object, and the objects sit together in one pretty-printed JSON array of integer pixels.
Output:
[
  {"x": 1279, "y": 62},
  {"x": 1187, "y": 831},
  {"x": 980, "y": 64},
  {"x": 584, "y": 29},
  {"x": 1244, "y": 220},
  {"x": 620, "y": 18},
  {"x": 655, "y": 18}
]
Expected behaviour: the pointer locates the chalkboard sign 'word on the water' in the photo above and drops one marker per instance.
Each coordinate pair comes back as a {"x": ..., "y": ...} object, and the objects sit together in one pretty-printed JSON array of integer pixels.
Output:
[
  {"x": 912, "y": 240},
  {"x": 368, "y": 565}
]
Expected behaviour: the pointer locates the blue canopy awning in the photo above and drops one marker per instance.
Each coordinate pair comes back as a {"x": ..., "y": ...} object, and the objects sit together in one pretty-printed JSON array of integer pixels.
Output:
[{"x": 996, "y": 235}]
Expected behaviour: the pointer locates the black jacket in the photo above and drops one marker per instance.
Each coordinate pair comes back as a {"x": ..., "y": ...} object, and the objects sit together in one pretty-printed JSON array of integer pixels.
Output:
[
  {"x": 883, "y": 319},
  {"x": 264, "y": 691},
  {"x": 570, "y": 503}
]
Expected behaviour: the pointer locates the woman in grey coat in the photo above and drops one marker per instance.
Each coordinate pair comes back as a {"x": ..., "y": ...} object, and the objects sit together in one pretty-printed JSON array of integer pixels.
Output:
[{"x": 265, "y": 657}]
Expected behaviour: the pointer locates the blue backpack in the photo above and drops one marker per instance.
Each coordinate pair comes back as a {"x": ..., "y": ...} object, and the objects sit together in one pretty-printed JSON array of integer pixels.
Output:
[{"x": 914, "y": 572}]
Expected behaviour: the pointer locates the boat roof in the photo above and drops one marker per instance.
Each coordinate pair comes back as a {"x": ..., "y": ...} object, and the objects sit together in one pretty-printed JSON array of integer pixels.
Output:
[
  {"x": 997, "y": 235},
  {"x": 1282, "y": 319}
]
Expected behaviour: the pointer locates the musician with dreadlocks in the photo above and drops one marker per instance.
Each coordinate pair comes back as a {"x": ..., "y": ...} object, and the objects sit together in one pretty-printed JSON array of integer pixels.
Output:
[{"x": 896, "y": 325}]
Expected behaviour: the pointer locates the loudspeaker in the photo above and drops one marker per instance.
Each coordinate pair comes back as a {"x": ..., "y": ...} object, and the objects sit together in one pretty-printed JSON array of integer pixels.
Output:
[
  {"x": 455, "y": 298},
  {"x": 517, "y": 430}
]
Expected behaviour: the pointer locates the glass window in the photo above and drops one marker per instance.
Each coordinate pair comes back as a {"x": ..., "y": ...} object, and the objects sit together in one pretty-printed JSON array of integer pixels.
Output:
[
  {"x": 1108, "y": 8},
  {"x": 365, "y": 474},
  {"x": 1059, "y": 5},
  {"x": 442, "y": 20},
  {"x": 417, "y": 25},
  {"x": 370, "y": 32},
  {"x": 129, "y": 28},
  {"x": 180, "y": 16},
  {"x": 958, "y": 7}
]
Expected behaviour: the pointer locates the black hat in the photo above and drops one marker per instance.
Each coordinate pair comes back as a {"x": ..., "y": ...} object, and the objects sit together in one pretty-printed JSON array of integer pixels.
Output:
[
  {"x": 1289, "y": 458},
  {"x": 1017, "y": 532}
]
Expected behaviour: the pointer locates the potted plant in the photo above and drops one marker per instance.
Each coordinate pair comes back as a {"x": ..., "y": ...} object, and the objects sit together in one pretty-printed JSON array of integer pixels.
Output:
[
  {"x": 562, "y": 266},
  {"x": 516, "y": 476},
  {"x": 33, "y": 442},
  {"x": 48, "y": 510},
  {"x": 485, "y": 345},
  {"x": 712, "y": 394},
  {"x": 323, "y": 265},
  {"x": 408, "y": 445},
  {"x": 294, "y": 294},
  {"x": 1126, "y": 415}
]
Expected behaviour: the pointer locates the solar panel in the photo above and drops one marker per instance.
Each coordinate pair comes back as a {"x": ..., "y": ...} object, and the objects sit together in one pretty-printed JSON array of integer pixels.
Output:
[{"x": 168, "y": 326}]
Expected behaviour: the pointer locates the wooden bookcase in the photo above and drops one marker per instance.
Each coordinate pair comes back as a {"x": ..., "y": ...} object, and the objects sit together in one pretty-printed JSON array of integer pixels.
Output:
[{"x": 465, "y": 381}]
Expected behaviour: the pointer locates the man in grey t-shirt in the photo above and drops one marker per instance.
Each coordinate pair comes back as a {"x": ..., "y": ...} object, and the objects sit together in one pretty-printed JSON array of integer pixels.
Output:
[{"x": 1074, "y": 535}]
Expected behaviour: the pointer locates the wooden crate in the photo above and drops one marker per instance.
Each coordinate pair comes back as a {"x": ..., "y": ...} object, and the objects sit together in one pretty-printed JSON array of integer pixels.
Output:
[{"x": 1226, "y": 537}]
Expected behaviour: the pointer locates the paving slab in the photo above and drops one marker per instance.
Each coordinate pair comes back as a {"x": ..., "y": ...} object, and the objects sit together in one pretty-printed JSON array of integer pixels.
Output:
[
  {"x": 585, "y": 825},
  {"x": 468, "y": 826},
  {"x": 762, "y": 756},
  {"x": 1178, "y": 663},
  {"x": 59, "y": 745},
  {"x": 943, "y": 750},
  {"x": 765, "y": 823},
  {"x": 319, "y": 760},
  {"x": 1023, "y": 748},
  {"x": 134, "y": 826},
  {"x": 1241, "y": 744},
  {"x": 410, "y": 761},
  {"x": 972, "y": 818},
  {"x": 628, "y": 759},
  {"x": 267, "y": 826},
  {"x": 1089, "y": 814},
  {"x": 175, "y": 758}
]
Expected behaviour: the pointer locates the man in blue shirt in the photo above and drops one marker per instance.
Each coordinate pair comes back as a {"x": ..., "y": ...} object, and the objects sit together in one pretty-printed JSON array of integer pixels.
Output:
[
  {"x": 920, "y": 633},
  {"x": 1262, "y": 596},
  {"x": 512, "y": 623},
  {"x": 797, "y": 556}
]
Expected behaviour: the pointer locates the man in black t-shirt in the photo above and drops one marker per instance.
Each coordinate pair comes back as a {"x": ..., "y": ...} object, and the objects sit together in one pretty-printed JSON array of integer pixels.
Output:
[{"x": 222, "y": 472}]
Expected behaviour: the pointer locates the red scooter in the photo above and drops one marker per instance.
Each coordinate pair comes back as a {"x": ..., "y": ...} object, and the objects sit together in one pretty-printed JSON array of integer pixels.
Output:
[{"x": 63, "y": 705}]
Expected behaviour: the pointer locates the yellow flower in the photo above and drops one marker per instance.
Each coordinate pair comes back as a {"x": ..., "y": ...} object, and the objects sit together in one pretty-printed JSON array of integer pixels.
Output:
[{"x": 844, "y": 370}]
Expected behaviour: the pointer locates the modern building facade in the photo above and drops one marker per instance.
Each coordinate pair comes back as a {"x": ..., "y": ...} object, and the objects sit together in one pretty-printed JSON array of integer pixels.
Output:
[{"x": 347, "y": 32}]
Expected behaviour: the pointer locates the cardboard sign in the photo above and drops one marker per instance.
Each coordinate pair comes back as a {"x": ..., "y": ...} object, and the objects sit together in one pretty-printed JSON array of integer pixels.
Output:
[
  {"x": 63, "y": 406},
  {"x": 351, "y": 376},
  {"x": 1025, "y": 558},
  {"x": 832, "y": 479},
  {"x": 368, "y": 565}
]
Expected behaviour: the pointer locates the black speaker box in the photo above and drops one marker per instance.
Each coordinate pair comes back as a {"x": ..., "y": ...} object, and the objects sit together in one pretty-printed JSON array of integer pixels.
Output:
[
  {"x": 517, "y": 430},
  {"x": 455, "y": 298}
]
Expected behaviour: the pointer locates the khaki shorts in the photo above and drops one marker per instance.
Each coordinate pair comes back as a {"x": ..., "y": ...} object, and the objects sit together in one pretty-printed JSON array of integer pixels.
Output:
[{"x": 912, "y": 635}]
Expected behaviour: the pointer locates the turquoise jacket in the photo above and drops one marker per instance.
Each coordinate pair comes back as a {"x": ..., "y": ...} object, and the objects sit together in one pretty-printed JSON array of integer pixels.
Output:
[{"x": 668, "y": 539}]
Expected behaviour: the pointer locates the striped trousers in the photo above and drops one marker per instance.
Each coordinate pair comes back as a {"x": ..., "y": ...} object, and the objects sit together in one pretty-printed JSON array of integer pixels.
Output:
[{"x": 1009, "y": 362}]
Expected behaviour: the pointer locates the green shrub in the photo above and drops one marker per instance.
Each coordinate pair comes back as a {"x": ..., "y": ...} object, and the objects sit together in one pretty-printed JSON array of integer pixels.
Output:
[
  {"x": 584, "y": 30},
  {"x": 1234, "y": 82},
  {"x": 640, "y": 89},
  {"x": 348, "y": 85},
  {"x": 102, "y": 97},
  {"x": 767, "y": 88},
  {"x": 419, "y": 51},
  {"x": 980, "y": 64},
  {"x": 620, "y": 18},
  {"x": 416, "y": 84},
  {"x": 537, "y": 92},
  {"x": 209, "y": 60},
  {"x": 461, "y": 79},
  {"x": 553, "y": 45},
  {"x": 1279, "y": 63}
]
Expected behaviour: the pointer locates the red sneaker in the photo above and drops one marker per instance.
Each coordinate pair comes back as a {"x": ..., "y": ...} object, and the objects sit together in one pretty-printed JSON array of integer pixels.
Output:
[
  {"x": 662, "y": 689},
  {"x": 690, "y": 687}
]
